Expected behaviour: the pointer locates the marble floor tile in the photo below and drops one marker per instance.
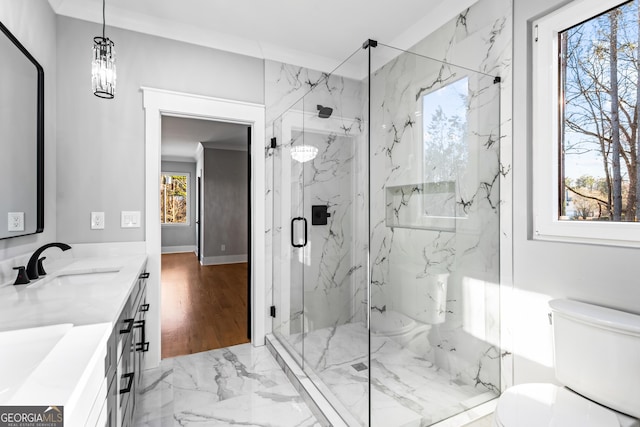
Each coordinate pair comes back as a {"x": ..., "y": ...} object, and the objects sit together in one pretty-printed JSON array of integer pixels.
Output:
[
  {"x": 407, "y": 390},
  {"x": 239, "y": 385}
]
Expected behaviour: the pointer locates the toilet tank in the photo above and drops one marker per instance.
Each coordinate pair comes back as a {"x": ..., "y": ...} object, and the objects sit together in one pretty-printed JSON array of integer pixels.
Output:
[{"x": 597, "y": 353}]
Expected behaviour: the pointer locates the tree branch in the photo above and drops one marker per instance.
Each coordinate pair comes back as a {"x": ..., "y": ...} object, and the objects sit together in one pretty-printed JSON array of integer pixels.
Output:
[{"x": 573, "y": 190}]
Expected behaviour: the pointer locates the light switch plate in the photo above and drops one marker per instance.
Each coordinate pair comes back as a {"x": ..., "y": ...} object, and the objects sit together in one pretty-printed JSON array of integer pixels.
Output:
[
  {"x": 97, "y": 220},
  {"x": 130, "y": 219},
  {"x": 16, "y": 221}
]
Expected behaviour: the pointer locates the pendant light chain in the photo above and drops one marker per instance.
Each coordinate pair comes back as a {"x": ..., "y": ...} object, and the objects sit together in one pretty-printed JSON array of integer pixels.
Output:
[{"x": 103, "y": 18}]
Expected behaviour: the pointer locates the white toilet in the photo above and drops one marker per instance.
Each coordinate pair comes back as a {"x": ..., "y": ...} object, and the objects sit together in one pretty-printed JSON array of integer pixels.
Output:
[{"x": 597, "y": 358}]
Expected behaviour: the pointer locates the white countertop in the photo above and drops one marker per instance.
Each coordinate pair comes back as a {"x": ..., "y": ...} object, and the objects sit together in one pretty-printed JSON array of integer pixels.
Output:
[
  {"x": 73, "y": 365},
  {"x": 40, "y": 303}
]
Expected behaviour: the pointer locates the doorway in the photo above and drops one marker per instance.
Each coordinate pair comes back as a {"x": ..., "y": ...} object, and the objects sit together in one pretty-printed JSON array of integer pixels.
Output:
[
  {"x": 204, "y": 207},
  {"x": 156, "y": 103}
]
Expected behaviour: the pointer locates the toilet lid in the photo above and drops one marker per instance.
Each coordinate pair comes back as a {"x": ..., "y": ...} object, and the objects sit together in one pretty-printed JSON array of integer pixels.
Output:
[{"x": 536, "y": 405}]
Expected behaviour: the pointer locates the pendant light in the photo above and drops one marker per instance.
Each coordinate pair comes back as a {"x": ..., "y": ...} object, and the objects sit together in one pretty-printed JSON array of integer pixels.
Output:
[
  {"x": 303, "y": 153},
  {"x": 103, "y": 66}
]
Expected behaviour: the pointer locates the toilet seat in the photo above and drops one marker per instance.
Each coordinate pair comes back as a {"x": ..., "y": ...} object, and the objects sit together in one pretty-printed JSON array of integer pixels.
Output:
[{"x": 537, "y": 405}]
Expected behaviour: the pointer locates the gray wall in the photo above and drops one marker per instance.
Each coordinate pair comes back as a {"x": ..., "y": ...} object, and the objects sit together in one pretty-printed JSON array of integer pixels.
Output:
[
  {"x": 101, "y": 142},
  {"x": 225, "y": 202},
  {"x": 599, "y": 274},
  {"x": 182, "y": 235},
  {"x": 34, "y": 24}
]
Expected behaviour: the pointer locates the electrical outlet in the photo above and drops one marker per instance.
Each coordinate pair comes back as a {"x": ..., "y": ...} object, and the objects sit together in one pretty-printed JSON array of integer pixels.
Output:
[
  {"x": 223, "y": 248},
  {"x": 15, "y": 221},
  {"x": 97, "y": 220}
]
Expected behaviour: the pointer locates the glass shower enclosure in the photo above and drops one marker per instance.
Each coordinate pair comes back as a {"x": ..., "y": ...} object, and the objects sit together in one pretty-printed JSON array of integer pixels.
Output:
[{"x": 386, "y": 237}]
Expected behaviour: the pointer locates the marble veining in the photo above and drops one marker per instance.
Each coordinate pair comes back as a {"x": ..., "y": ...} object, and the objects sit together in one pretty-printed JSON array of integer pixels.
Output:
[
  {"x": 406, "y": 387},
  {"x": 240, "y": 385}
]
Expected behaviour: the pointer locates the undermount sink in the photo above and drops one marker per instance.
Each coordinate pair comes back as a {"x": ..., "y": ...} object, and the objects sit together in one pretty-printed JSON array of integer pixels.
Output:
[
  {"x": 85, "y": 279},
  {"x": 25, "y": 349},
  {"x": 76, "y": 279}
]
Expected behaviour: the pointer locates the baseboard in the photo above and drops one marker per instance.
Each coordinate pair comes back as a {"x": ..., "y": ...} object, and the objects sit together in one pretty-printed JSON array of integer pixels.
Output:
[
  {"x": 178, "y": 249},
  {"x": 224, "y": 259}
]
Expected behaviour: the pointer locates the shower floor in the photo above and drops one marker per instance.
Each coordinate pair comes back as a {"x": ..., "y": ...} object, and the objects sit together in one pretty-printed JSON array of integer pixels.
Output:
[{"x": 406, "y": 390}]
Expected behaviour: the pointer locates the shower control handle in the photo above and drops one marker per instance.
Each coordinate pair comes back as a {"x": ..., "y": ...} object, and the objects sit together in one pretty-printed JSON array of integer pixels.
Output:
[{"x": 293, "y": 227}]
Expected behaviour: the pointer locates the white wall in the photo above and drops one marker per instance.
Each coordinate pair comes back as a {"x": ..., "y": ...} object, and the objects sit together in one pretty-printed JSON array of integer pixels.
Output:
[
  {"x": 602, "y": 275},
  {"x": 101, "y": 142},
  {"x": 33, "y": 23}
]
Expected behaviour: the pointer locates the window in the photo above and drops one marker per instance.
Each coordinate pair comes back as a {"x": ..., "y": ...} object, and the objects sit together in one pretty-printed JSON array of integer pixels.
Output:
[
  {"x": 585, "y": 125},
  {"x": 437, "y": 201},
  {"x": 174, "y": 198},
  {"x": 445, "y": 151}
]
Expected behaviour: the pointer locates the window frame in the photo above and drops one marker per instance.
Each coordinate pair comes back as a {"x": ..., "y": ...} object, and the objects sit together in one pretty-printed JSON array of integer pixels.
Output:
[
  {"x": 545, "y": 83},
  {"x": 188, "y": 201}
]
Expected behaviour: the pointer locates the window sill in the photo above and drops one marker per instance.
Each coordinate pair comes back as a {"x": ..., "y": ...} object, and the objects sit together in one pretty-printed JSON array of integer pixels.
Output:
[{"x": 618, "y": 234}]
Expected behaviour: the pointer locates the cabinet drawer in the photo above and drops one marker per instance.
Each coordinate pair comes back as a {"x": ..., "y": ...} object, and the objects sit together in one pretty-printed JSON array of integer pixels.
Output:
[
  {"x": 126, "y": 378},
  {"x": 126, "y": 349}
]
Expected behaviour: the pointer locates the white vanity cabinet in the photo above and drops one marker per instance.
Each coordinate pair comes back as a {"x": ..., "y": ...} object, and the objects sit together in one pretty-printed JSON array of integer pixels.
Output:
[{"x": 125, "y": 354}]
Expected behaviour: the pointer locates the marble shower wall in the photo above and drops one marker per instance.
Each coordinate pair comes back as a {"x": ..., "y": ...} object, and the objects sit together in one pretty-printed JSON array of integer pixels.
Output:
[
  {"x": 407, "y": 260},
  {"x": 466, "y": 344},
  {"x": 334, "y": 283}
]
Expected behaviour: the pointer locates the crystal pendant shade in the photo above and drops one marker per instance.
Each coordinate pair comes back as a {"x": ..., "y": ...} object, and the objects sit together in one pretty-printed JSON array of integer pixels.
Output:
[
  {"x": 103, "y": 68},
  {"x": 303, "y": 153}
]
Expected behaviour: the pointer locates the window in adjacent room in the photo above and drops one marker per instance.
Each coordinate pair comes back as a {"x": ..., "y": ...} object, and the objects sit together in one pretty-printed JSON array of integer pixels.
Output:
[
  {"x": 174, "y": 198},
  {"x": 586, "y": 143}
]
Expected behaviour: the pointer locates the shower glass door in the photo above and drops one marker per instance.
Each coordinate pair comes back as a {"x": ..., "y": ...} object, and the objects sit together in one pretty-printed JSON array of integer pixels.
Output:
[
  {"x": 335, "y": 278},
  {"x": 320, "y": 205},
  {"x": 289, "y": 229}
]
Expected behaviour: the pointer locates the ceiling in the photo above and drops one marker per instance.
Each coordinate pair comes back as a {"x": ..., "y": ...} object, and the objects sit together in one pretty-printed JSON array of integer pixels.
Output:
[
  {"x": 181, "y": 137},
  {"x": 314, "y": 34}
]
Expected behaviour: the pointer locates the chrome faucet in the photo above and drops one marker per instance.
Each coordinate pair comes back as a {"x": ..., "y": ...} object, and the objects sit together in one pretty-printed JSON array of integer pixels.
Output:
[{"x": 34, "y": 268}]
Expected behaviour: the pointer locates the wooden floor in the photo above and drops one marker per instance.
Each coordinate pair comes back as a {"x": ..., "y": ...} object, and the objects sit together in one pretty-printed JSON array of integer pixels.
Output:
[{"x": 203, "y": 307}]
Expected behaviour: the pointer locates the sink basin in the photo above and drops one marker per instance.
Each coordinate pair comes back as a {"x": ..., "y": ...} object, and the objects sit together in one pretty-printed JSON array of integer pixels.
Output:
[
  {"x": 22, "y": 352},
  {"x": 85, "y": 279},
  {"x": 76, "y": 279}
]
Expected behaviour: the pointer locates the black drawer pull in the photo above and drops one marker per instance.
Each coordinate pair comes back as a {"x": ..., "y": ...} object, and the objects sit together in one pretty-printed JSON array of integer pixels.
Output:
[
  {"x": 129, "y": 326},
  {"x": 127, "y": 389},
  {"x": 144, "y": 307},
  {"x": 142, "y": 345},
  {"x": 144, "y": 276}
]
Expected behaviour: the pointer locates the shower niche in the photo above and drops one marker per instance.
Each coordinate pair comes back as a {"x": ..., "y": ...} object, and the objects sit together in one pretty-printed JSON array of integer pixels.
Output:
[
  {"x": 391, "y": 307},
  {"x": 429, "y": 205}
]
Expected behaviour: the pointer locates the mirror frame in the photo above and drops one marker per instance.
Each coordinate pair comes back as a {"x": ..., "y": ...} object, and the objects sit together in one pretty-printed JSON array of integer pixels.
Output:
[{"x": 39, "y": 135}]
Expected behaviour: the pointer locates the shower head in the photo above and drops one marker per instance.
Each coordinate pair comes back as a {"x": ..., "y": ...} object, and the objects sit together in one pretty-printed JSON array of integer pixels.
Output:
[{"x": 324, "y": 112}]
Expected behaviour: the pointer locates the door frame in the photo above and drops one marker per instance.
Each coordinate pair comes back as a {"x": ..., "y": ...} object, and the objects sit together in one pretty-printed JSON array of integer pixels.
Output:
[
  {"x": 198, "y": 216},
  {"x": 156, "y": 103}
]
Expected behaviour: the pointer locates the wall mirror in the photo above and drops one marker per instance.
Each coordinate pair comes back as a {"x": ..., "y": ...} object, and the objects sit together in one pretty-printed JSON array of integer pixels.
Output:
[{"x": 21, "y": 139}]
